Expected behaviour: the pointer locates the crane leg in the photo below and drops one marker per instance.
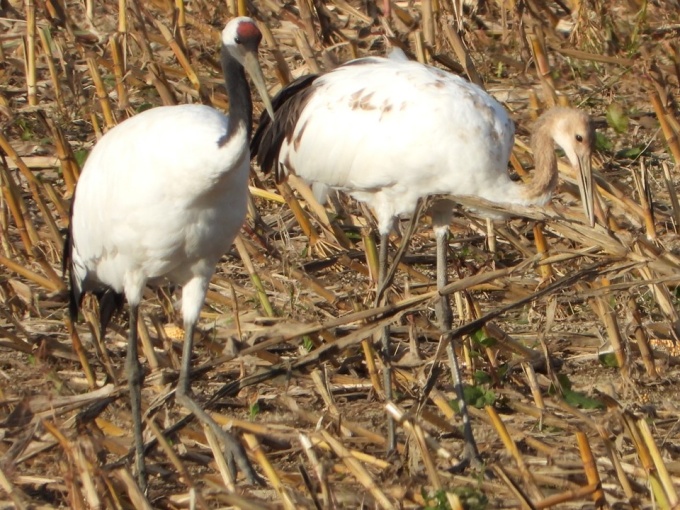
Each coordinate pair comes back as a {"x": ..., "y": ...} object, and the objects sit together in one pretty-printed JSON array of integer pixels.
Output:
[
  {"x": 135, "y": 379},
  {"x": 443, "y": 306},
  {"x": 233, "y": 448},
  {"x": 385, "y": 337},
  {"x": 441, "y": 217},
  {"x": 445, "y": 319}
]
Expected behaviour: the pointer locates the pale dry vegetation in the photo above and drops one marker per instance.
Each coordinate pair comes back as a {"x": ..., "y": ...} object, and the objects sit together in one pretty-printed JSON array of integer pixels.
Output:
[{"x": 567, "y": 332}]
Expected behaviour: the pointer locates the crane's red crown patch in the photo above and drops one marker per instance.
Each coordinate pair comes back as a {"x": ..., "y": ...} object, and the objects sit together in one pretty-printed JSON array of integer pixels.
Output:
[{"x": 248, "y": 31}]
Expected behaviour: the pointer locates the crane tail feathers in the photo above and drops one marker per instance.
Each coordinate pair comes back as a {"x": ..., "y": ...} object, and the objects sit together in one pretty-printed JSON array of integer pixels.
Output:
[
  {"x": 74, "y": 295},
  {"x": 110, "y": 303},
  {"x": 270, "y": 134}
]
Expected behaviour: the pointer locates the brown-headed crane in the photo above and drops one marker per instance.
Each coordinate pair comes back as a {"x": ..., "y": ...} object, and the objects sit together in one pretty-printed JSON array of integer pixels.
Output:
[{"x": 390, "y": 131}]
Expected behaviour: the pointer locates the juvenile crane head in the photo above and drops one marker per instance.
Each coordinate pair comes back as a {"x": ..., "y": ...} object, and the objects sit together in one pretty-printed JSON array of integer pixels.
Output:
[
  {"x": 572, "y": 130},
  {"x": 241, "y": 38}
]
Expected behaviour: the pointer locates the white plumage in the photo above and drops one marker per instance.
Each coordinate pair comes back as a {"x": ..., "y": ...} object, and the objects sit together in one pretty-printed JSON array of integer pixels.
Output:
[
  {"x": 162, "y": 213},
  {"x": 381, "y": 129},
  {"x": 161, "y": 198}
]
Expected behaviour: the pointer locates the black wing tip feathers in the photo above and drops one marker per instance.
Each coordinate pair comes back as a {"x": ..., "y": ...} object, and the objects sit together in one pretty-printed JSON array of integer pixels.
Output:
[
  {"x": 110, "y": 303},
  {"x": 74, "y": 297},
  {"x": 269, "y": 135}
]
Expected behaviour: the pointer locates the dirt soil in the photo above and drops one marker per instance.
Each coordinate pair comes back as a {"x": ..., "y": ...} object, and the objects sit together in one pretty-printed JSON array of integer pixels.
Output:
[{"x": 566, "y": 334}]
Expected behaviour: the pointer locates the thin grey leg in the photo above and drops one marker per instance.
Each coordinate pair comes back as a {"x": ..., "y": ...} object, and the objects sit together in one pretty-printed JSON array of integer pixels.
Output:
[
  {"x": 443, "y": 307},
  {"x": 233, "y": 448},
  {"x": 135, "y": 379},
  {"x": 385, "y": 340},
  {"x": 445, "y": 319}
]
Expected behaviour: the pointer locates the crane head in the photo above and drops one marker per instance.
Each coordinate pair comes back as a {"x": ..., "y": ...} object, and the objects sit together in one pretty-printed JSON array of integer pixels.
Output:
[
  {"x": 241, "y": 38},
  {"x": 573, "y": 131}
]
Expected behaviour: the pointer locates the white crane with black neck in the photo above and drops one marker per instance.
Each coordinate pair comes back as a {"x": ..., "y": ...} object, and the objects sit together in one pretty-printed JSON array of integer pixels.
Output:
[
  {"x": 390, "y": 131},
  {"x": 160, "y": 199}
]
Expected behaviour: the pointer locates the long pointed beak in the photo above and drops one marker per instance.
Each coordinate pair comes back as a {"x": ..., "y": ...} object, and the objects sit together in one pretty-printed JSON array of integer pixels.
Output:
[
  {"x": 252, "y": 65},
  {"x": 585, "y": 175}
]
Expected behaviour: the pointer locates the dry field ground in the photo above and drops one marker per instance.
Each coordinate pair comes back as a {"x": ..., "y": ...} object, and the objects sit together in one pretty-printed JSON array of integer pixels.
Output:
[{"x": 567, "y": 333}]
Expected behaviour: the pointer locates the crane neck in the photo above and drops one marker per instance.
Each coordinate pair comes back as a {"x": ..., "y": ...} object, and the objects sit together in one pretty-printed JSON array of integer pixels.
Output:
[
  {"x": 545, "y": 176},
  {"x": 238, "y": 91}
]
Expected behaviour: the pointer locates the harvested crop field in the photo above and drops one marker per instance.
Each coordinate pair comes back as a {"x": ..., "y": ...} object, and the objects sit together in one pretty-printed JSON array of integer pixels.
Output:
[{"x": 566, "y": 334}]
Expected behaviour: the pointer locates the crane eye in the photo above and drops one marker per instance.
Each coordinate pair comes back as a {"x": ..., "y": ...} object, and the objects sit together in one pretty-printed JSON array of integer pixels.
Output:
[
  {"x": 237, "y": 40},
  {"x": 579, "y": 138}
]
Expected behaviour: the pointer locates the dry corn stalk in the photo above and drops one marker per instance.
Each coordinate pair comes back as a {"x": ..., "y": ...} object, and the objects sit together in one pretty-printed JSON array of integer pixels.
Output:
[{"x": 537, "y": 44}]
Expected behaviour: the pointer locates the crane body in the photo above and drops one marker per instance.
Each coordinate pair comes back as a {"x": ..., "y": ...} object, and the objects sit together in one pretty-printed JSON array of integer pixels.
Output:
[
  {"x": 389, "y": 132},
  {"x": 142, "y": 232}
]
